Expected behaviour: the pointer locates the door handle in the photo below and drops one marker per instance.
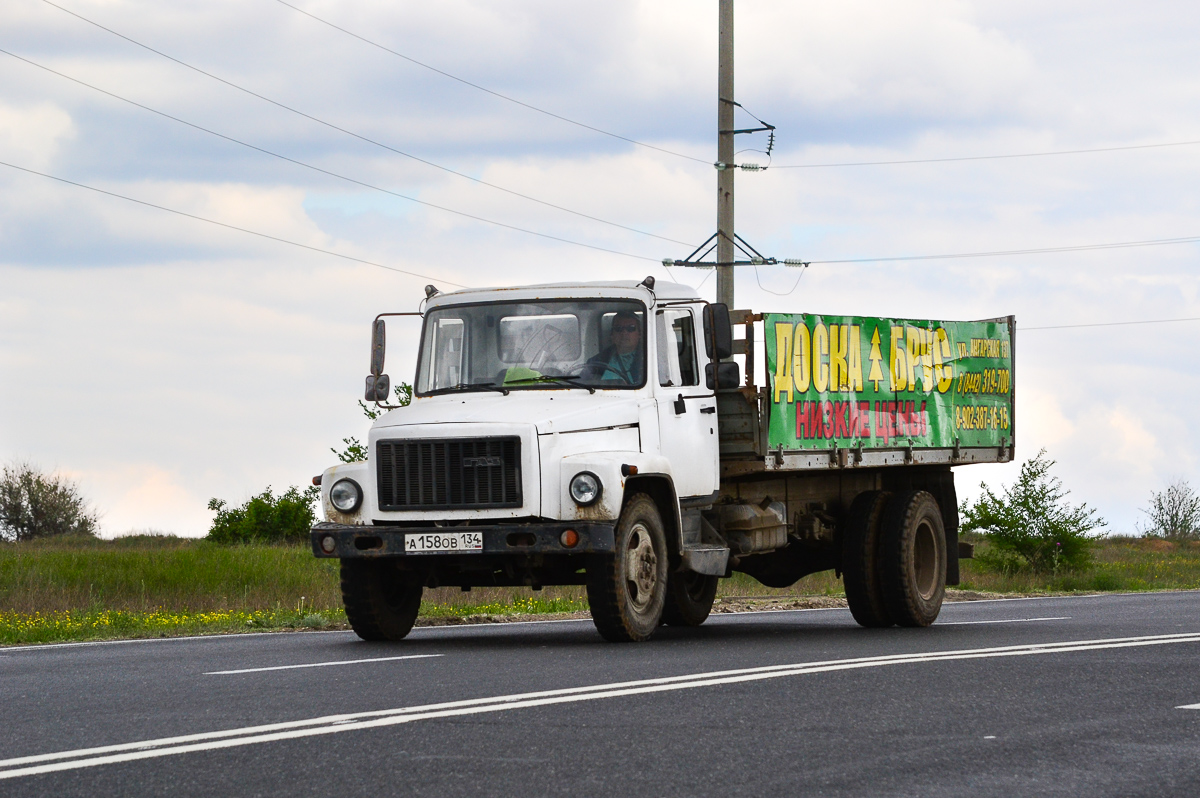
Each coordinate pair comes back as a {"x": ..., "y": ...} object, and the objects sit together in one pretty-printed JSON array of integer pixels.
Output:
[{"x": 708, "y": 410}]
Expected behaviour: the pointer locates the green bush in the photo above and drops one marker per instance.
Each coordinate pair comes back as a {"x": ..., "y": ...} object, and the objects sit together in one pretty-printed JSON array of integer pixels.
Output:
[
  {"x": 1174, "y": 513},
  {"x": 999, "y": 561},
  {"x": 265, "y": 518},
  {"x": 37, "y": 505},
  {"x": 1032, "y": 522}
]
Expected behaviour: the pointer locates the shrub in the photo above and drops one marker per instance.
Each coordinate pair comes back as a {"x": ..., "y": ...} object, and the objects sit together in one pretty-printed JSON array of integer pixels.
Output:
[
  {"x": 37, "y": 505},
  {"x": 1033, "y": 521},
  {"x": 356, "y": 452},
  {"x": 1000, "y": 561},
  {"x": 1174, "y": 513},
  {"x": 265, "y": 518}
]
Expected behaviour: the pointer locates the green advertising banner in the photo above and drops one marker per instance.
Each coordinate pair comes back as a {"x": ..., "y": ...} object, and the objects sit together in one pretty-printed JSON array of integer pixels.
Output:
[{"x": 888, "y": 383}]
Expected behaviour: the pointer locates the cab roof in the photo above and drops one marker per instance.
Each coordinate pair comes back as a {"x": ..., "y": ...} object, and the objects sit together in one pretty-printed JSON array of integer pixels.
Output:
[{"x": 582, "y": 289}]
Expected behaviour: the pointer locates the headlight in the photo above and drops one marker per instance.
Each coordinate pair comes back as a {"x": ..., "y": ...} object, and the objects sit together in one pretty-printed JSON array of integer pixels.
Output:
[
  {"x": 585, "y": 488},
  {"x": 345, "y": 495}
]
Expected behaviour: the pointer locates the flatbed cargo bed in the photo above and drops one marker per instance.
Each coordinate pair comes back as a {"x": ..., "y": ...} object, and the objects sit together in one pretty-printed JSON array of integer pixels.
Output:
[{"x": 941, "y": 396}]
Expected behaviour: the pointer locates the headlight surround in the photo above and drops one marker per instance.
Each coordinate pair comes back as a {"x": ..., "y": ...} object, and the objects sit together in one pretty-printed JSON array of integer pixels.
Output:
[
  {"x": 586, "y": 488},
  {"x": 345, "y": 495}
]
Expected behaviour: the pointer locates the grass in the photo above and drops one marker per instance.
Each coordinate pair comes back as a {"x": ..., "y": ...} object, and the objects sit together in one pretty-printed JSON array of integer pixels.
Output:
[
  {"x": 146, "y": 573},
  {"x": 1121, "y": 565},
  {"x": 157, "y": 586},
  {"x": 93, "y": 624}
]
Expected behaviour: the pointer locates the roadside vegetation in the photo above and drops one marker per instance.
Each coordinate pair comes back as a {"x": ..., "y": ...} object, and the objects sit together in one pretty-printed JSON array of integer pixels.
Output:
[
  {"x": 34, "y": 504},
  {"x": 1118, "y": 564},
  {"x": 71, "y": 588},
  {"x": 151, "y": 586},
  {"x": 1030, "y": 525},
  {"x": 1174, "y": 513},
  {"x": 254, "y": 572},
  {"x": 266, "y": 518}
]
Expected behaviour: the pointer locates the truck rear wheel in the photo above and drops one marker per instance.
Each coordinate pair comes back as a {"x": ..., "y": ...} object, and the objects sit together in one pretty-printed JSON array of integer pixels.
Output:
[
  {"x": 689, "y": 598},
  {"x": 914, "y": 558},
  {"x": 381, "y": 602},
  {"x": 627, "y": 590},
  {"x": 861, "y": 560}
]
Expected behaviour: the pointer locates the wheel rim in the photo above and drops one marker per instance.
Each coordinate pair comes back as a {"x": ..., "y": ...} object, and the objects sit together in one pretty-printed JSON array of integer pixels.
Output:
[
  {"x": 641, "y": 567},
  {"x": 925, "y": 560}
]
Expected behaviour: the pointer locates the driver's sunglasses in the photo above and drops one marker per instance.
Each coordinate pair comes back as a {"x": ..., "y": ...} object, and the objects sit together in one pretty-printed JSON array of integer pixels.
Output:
[{"x": 625, "y": 329}]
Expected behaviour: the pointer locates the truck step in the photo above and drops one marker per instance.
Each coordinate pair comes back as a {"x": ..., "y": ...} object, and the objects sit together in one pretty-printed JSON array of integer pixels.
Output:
[{"x": 710, "y": 560}]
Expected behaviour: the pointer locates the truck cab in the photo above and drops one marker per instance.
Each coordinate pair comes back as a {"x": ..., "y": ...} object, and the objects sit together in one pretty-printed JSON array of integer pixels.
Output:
[{"x": 536, "y": 414}]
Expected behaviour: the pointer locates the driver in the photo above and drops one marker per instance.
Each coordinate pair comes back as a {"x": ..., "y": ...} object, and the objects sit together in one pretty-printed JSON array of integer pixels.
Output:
[{"x": 623, "y": 359}]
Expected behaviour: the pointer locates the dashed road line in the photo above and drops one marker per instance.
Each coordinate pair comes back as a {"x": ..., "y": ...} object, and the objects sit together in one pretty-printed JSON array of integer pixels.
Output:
[
  {"x": 320, "y": 664},
  {"x": 1004, "y": 620},
  {"x": 337, "y": 724}
]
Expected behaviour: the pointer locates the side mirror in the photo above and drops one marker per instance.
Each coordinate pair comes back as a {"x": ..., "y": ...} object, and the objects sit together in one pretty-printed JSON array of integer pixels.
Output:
[
  {"x": 378, "y": 346},
  {"x": 719, "y": 376},
  {"x": 378, "y": 388},
  {"x": 718, "y": 332}
]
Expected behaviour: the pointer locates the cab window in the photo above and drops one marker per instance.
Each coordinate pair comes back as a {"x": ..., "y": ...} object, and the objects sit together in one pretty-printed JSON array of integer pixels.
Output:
[{"x": 677, "y": 348}]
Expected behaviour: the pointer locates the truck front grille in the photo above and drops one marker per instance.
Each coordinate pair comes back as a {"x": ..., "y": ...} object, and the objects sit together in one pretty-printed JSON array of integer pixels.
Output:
[{"x": 449, "y": 474}]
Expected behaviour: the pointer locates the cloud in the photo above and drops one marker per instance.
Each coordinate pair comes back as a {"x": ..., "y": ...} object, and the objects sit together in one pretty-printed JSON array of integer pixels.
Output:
[
  {"x": 34, "y": 134},
  {"x": 193, "y": 362},
  {"x": 145, "y": 497},
  {"x": 926, "y": 59}
]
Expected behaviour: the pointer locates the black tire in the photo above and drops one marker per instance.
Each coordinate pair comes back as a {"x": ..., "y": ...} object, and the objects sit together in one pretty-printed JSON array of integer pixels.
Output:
[
  {"x": 381, "y": 602},
  {"x": 689, "y": 598},
  {"x": 914, "y": 558},
  {"x": 627, "y": 589},
  {"x": 861, "y": 557}
]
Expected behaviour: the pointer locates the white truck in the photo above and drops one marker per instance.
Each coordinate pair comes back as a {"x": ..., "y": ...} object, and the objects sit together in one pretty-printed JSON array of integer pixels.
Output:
[{"x": 601, "y": 434}]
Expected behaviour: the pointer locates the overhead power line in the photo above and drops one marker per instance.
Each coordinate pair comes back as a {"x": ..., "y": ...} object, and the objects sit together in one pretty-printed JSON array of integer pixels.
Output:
[
  {"x": 333, "y": 126},
  {"x": 443, "y": 280},
  {"x": 486, "y": 90},
  {"x": 1108, "y": 324},
  {"x": 789, "y": 292},
  {"x": 228, "y": 226},
  {"x": 1032, "y": 251},
  {"x": 326, "y": 171},
  {"x": 986, "y": 157}
]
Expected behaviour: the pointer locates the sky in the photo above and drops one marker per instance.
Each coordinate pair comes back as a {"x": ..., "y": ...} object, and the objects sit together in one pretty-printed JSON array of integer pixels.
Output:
[{"x": 161, "y": 361}]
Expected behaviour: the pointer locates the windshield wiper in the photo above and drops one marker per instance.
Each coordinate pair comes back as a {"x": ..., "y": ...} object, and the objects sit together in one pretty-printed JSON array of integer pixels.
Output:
[
  {"x": 464, "y": 387},
  {"x": 565, "y": 380}
]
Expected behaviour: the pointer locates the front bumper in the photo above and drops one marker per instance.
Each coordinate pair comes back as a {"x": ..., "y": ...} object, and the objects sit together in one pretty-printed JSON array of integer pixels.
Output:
[{"x": 388, "y": 541}]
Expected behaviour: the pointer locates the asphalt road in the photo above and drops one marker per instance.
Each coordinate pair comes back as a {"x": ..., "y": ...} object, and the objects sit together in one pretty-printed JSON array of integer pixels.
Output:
[{"x": 1064, "y": 696}]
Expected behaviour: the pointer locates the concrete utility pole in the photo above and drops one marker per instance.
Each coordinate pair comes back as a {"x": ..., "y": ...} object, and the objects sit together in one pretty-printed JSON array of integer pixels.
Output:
[{"x": 725, "y": 108}]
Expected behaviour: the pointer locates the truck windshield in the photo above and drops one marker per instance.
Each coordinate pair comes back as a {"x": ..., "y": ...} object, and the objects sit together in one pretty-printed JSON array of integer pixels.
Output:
[{"x": 538, "y": 345}]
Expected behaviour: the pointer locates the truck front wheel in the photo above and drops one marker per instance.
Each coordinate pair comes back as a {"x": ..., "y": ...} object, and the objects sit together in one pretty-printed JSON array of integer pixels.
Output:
[
  {"x": 914, "y": 558},
  {"x": 689, "y": 598},
  {"x": 627, "y": 590},
  {"x": 381, "y": 602}
]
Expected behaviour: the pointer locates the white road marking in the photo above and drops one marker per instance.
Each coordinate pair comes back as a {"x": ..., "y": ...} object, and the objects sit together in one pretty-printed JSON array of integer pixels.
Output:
[
  {"x": 1005, "y": 620},
  {"x": 320, "y": 664},
  {"x": 1189, "y": 706},
  {"x": 451, "y": 627},
  {"x": 336, "y": 724},
  {"x": 718, "y": 614}
]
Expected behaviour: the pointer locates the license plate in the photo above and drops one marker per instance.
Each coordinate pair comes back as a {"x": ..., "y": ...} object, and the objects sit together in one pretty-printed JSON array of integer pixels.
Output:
[{"x": 444, "y": 542}]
